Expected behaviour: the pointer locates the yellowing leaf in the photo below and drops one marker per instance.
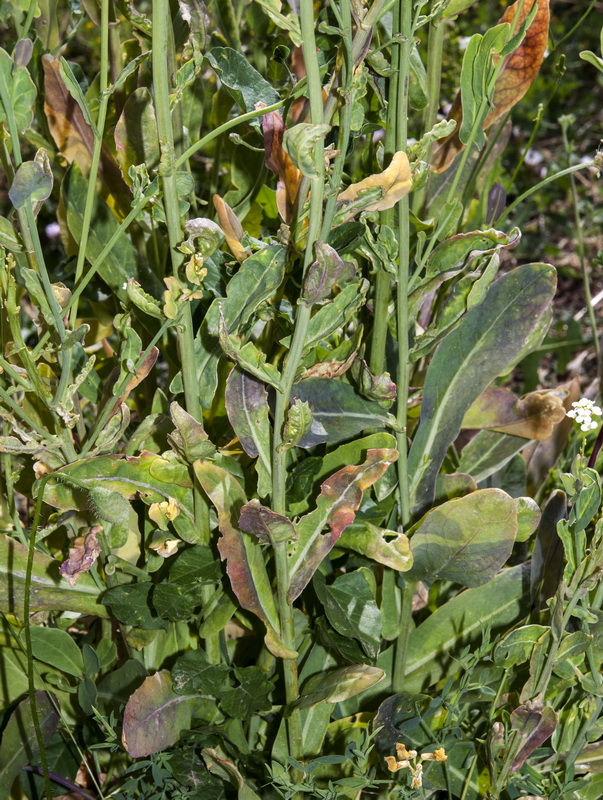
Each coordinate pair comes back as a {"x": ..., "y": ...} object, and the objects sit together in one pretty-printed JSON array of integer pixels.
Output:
[
  {"x": 231, "y": 227},
  {"x": 517, "y": 75},
  {"x": 394, "y": 182}
]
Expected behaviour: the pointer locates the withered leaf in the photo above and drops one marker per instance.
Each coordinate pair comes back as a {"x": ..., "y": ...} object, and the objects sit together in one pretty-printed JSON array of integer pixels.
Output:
[
  {"x": 73, "y": 136},
  {"x": 82, "y": 556},
  {"x": 516, "y": 77},
  {"x": 279, "y": 162},
  {"x": 532, "y": 416},
  {"x": 395, "y": 182},
  {"x": 231, "y": 227}
]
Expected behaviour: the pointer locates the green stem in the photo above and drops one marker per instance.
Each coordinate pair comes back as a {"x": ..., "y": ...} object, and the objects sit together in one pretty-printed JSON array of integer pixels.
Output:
[
  {"x": 561, "y": 174},
  {"x": 96, "y": 153},
  {"x": 186, "y": 335},
  {"x": 582, "y": 255},
  {"x": 27, "y": 628},
  {"x": 403, "y": 59}
]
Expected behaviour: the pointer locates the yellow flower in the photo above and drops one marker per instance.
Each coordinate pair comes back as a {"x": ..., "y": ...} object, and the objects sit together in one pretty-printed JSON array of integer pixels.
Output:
[{"x": 437, "y": 755}]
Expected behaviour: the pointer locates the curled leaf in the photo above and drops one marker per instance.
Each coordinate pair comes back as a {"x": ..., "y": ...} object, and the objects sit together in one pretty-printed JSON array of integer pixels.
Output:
[
  {"x": 300, "y": 143},
  {"x": 394, "y": 183},
  {"x": 532, "y": 416},
  {"x": 278, "y": 161},
  {"x": 297, "y": 424},
  {"x": 267, "y": 525},
  {"x": 325, "y": 273},
  {"x": 231, "y": 227},
  {"x": 82, "y": 556}
]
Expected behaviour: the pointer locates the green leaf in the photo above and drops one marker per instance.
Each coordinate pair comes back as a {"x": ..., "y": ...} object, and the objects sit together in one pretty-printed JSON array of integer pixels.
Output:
[
  {"x": 369, "y": 540},
  {"x": 19, "y": 742},
  {"x": 196, "y": 565},
  {"x": 155, "y": 478},
  {"x": 48, "y": 591},
  {"x": 116, "y": 687},
  {"x": 516, "y": 647},
  {"x": 250, "y": 696},
  {"x": 351, "y": 609},
  {"x": 136, "y": 138},
  {"x": 528, "y": 518},
  {"x": 336, "y": 506},
  {"x": 488, "y": 452},
  {"x": 243, "y": 82},
  {"x": 338, "y": 684},
  {"x": 248, "y": 357},
  {"x": 318, "y": 469},
  {"x": 154, "y": 716},
  {"x": 175, "y": 602},
  {"x": 255, "y": 282},
  {"x": 31, "y": 184},
  {"x": 335, "y": 314},
  {"x": 246, "y": 402},
  {"x": 75, "y": 90},
  {"x": 300, "y": 142},
  {"x": 56, "y": 647},
  {"x": 467, "y": 361},
  {"x": 20, "y": 89},
  {"x": 466, "y": 540},
  {"x": 243, "y": 554},
  {"x": 123, "y": 261},
  {"x": 9, "y": 238},
  {"x": 337, "y": 411},
  {"x": 193, "y": 673},
  {"x": 460, "y": 621},
  {"x": 131, "y": 605}
]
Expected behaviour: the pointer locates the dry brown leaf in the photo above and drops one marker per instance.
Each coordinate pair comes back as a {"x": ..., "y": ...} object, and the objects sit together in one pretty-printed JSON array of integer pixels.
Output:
[
  {"x": 279, "y": 162},
  {"x": 533, "y": 416},
  {"x": 231, "y": 227},
  {"x": 394, "y": 182},
  {"x": 73, "y": 136},
  {"x": 516, "y": 77},
  {"x": 82, "y": 556}
]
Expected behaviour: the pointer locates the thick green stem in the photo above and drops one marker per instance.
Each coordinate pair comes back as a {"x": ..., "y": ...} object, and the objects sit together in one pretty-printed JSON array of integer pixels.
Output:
[
  {"x": 161, "y": 85},
  {"x": 403, "y": 60}
]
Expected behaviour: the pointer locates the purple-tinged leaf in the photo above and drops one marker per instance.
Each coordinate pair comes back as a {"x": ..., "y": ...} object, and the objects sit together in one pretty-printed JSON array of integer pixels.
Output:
[{"x": 535, "y": 724}]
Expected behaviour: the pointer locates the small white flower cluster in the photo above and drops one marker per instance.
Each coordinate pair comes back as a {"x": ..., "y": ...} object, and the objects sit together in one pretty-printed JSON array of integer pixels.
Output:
[{"x": 583, "y": 411}]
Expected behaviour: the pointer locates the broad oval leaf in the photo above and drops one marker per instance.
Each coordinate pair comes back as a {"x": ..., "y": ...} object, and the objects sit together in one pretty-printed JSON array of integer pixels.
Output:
[
  {"x": 339, "y": 684},
  {"x": 56, "y": 647},
  {"x": 488, "y": 338},
  {"x": 466, "y": 540},
  {"x": 154, "y": 716},
  {"x": 21, "y": 91}
]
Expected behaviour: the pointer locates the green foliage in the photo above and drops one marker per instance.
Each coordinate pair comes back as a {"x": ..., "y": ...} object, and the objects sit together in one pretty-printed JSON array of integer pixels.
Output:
[{"x": 285, "y": 492}]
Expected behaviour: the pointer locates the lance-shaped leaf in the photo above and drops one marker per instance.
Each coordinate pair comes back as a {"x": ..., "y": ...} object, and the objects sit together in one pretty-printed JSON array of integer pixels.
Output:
[
  {"x": 188, "y": 439},
  {"x": 339, "y": 499},
  {"x": 337, "y": 411},
  {"x": 267, "y": 525},
  {"x": 243, "y": 553},
  {"x": 154, "y": 716},
  {"x": 394, "y": 182},
  {"x": 367, "y": 539},
  {"x": 136, "y": 139},
  {"x": 73, "y": 136},
  {"x": 325, "y": 273},
  {"x": 466, "y": 540},
  {"x": 490, "y": 336},
  {"x": 532, "y": 416},
  {"x": 248, "y": 357},
  {"x": 256, "y": 281},
  {"x": 488, "y": 452},
  {"x": 339, "y": 312},
  {"x": 19, "y": 740},
  {"x": 20, "y": 89},
  {"x": 231, "y": 227},
  {"x": 297, "y": 424},
  {"x": 338, "y": 685},
  {"x": 246, "y": 402},
  {"x": 459, "y": 251},
  {"x": 534, "y": 724},
  {"x": 517, "y": 75}
]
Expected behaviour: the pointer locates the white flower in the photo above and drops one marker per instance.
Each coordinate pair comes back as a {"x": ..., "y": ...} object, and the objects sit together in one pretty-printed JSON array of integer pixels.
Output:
[{"x": 583, "y": 411}]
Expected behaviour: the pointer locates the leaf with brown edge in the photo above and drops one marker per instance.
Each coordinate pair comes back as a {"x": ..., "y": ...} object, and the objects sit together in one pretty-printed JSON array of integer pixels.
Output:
[
  {"x": 534, "y": 724},
  {"x": 231, "y": 227},
  {"x": 73, "y": 136},
  {"x": 532, "y": 416},
  {"x": 243, "y": 554},
  {"x": 141, "y": 373},
  {"x": 516, "y": 77},
  {"x": 82, "y": 556},
  {"x": 339, "y": 499},
  {"x": 266, "y": 524},
  {"x": 279, "y": 162}
]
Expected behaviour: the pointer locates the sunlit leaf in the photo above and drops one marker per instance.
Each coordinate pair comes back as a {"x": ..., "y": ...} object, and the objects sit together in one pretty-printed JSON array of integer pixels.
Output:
[
  {"x": 21, "y": 91},
  {"x": 532, "y": 416},
  {"x": 394, "y": 183}
]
